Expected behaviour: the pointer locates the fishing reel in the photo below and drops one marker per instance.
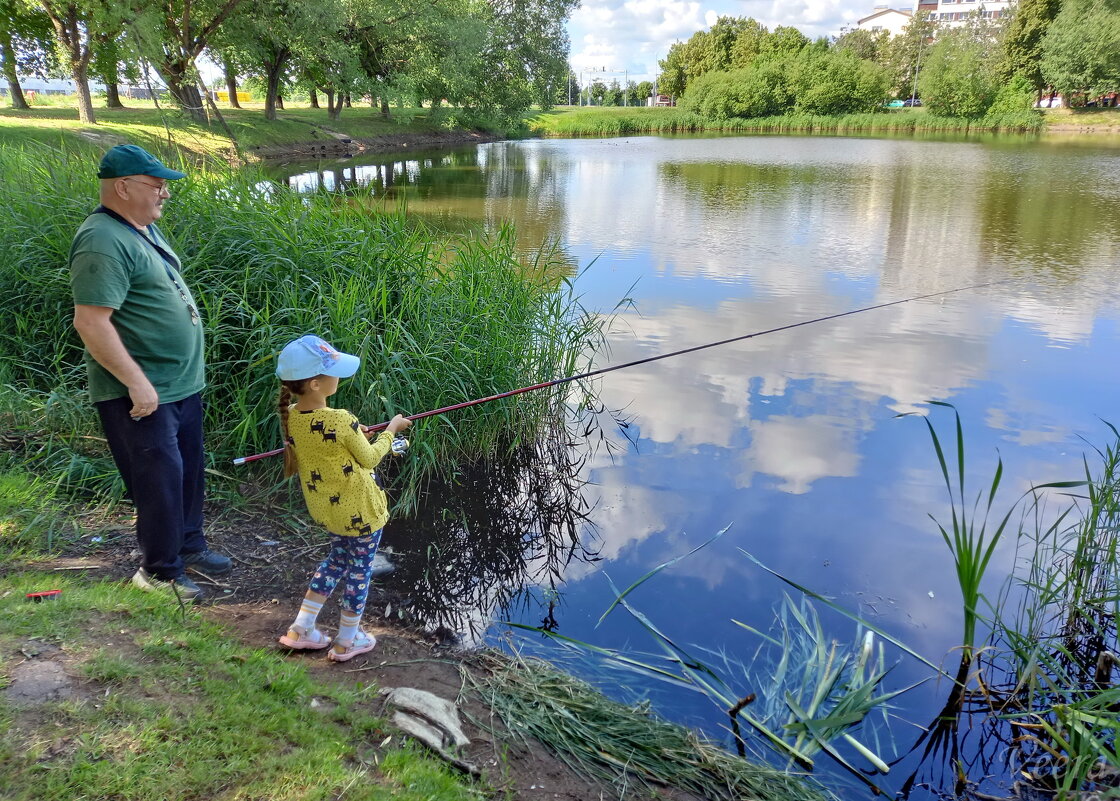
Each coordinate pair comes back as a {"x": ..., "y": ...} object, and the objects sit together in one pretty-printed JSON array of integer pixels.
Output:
[{"x": 400, "y": 445}]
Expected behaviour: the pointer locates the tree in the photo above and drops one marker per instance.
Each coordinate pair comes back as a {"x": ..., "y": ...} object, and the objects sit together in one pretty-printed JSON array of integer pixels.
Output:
[
  {"x": 1022, "y": 41},
  {"x": 173, "y": 34},
  {"x": 527, "y": 51},
  {"x": 1081, "y": 50},
  {"x": 76, "y": 24},
  {"x": 26, "y": 44},
  {"x": 904, "y": 54},
  {"x": 959, "y": 77},
  {"x": 673, "y": 78},
  {"x": 112, "y": 56},
  {"x": 713, "y": 50},
  {"x": 229, "y": 75},
  {"x": 784, "y": 39},
  {"x": 748, "y": 44},
  {"x": 864, "y": 44},
  {"x": 566, "y": 95},
  {"x": 262, "y": 37},
  {"x": 598, "y": 92},
  {"x": 718, "y": 49},
  {"x": 642, "y": 90}
]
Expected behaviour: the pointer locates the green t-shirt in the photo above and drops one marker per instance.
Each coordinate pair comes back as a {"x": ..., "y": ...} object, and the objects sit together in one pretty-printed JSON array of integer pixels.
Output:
[{"x": 111, "y": 266}]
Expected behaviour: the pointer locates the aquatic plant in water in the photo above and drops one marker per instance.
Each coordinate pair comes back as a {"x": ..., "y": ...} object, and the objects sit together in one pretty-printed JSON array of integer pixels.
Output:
[{"x": 815, "y": 691}]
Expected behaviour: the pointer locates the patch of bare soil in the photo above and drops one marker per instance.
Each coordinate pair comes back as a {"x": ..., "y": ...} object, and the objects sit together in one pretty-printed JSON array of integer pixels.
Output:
[{"x": 260, "y": 598}]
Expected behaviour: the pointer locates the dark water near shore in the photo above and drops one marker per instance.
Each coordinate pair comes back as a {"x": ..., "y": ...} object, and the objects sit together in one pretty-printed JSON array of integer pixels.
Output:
[{"x": 793, "y": 439}]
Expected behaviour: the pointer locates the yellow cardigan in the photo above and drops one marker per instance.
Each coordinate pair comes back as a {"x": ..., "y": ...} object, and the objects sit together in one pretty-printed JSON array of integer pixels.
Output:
[{"x": 335, "y": 470}]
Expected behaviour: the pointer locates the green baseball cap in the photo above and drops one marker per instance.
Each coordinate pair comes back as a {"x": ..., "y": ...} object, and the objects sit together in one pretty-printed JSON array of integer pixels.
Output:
[{"x": 124, "y": 160}]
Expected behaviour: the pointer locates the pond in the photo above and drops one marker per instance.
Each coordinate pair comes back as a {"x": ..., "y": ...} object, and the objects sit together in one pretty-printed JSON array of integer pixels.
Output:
[{"x": 793, "y": 439}]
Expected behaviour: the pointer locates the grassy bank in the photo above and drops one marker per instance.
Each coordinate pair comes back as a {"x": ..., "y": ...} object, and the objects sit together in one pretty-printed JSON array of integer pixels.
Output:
[
  {"x": 110, "y": 693},
  {"x": 621, "y": 121},
  {"x": 436, "y": 321},
  {"x": 55, "y": 122},
  {"x": 152, "y": 706}
]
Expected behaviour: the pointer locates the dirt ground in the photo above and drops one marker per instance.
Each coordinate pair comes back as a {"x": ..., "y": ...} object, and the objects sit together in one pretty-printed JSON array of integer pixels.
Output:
[{"x": 261, "y": 596}]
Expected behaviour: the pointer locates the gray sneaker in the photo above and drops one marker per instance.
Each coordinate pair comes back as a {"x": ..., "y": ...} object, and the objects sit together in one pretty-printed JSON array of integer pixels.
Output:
[
  {"x": 182, "y": 587},
  {"x": 207, "y": 563}
]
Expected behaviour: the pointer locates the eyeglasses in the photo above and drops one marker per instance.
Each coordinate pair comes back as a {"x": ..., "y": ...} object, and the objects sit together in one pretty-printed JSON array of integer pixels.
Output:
[{"x": 160, "y": 188}]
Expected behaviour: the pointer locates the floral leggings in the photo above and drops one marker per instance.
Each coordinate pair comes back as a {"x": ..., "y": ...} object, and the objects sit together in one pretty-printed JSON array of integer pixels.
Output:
[{"x": 352, "y": 556}]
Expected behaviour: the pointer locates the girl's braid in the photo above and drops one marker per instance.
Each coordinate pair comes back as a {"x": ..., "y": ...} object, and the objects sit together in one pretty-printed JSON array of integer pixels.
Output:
[{"x": 291, "y": 464}]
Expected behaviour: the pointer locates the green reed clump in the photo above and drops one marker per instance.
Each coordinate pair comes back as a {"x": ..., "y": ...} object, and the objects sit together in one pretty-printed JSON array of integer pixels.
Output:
[
  {"x": 967, "y": 534},
  {"x": 436, "y": 321},
  {"x": 616, "y": 743},
  {"x": 1055, "y": 640},
  {"x": 623, "y": 121}
]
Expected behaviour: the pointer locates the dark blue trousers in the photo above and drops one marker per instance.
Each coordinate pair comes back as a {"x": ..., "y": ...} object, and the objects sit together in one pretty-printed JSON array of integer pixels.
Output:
[{"x": 161, "y": 461}]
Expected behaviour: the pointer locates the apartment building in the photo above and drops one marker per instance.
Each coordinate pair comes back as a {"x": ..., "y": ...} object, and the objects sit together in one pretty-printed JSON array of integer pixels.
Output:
[
  {"x": 885, "y": 18},
  {"x": 951, "y": 13}
]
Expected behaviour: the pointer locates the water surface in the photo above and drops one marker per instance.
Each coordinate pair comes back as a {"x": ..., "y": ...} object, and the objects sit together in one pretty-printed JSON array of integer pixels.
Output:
[{"x": 793, "y": 439}]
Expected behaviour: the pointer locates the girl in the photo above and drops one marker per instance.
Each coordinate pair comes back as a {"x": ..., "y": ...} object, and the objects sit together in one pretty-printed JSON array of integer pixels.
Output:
[{"x": 335, "y": 463}]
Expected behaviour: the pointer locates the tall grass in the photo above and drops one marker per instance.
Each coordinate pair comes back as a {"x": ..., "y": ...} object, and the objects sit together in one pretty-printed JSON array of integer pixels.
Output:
[
  {"x": 623, "y": 121},
  {"x": 436, "y": 321},
  {"x": 618, "y": 744},
  {"x": 1055, "y": 640}
]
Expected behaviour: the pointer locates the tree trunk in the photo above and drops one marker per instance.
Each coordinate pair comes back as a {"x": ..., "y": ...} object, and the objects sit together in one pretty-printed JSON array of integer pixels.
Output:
[
  {"x": 69, "y": 29},
  {"x": 384, "y": 107},
  {"x": 273, "y": 69},
  {"x": 280, "y": 102},
  {"x": 112, "y": 96},
  {"x": 334, "y": 104},
  {"x": 314, "y": 98},
  {"x": 183, "y": 91},
  {"x": 8, "y": 53},
  {"x": 231, "y": 86},
  {"x": 346, "y": 100},
  {"x": 85, "y": 102}
]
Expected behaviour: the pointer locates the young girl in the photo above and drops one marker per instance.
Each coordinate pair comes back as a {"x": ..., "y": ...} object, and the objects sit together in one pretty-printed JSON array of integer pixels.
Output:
[{"x": 335, "y": 460}]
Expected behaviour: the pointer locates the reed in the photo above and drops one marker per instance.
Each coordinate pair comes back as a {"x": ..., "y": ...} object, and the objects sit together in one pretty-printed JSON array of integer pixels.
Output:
[
  {"x": 435, "y": 320},
  {"x": 1051, "y": 670},
  {"x": 624, "y": 121},
  {"x": 616, "y": 743},
  {"x": 811, "y": 693},
  {"x": 967, "y": 534}
]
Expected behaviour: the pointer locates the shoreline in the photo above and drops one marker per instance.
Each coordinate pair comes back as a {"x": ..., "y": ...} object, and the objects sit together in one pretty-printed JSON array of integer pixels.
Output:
[{"x": 343, "y": 146}]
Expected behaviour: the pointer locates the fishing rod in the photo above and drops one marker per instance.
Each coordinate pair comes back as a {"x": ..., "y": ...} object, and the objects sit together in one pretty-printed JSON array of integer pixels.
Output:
[{"x": 555, "y": 382}]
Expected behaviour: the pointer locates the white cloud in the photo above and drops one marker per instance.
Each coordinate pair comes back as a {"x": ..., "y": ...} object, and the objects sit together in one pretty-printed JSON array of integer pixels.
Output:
[{"x": 632, "y": 35}]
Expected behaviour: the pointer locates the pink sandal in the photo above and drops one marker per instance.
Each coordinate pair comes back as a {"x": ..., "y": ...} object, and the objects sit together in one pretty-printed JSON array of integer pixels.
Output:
[
  {"x": 362, "y": 643},
  {"x": 299, "y": 639}
]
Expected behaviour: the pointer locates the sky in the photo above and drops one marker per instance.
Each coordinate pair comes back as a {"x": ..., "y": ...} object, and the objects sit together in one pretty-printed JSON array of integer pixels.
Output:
[{"x": 628, "y": 37}]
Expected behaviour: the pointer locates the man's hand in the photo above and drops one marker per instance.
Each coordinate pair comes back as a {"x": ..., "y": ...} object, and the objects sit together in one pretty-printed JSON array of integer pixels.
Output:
[{"x": 145, "y": 399}]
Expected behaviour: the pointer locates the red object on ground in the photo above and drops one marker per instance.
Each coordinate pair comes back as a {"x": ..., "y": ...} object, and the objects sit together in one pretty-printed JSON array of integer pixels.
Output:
[{"x": 43, "y": 596}]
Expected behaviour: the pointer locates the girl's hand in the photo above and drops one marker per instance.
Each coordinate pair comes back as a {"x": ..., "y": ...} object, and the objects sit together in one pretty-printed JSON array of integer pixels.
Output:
[{"x": 398, "y": 424}]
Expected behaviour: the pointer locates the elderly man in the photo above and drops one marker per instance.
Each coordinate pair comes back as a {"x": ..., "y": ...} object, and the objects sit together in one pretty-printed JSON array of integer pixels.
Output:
[{"x": 140, "y": 325}]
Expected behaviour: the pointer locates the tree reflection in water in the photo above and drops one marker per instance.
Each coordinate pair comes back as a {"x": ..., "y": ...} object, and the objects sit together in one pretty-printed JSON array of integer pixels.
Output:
[{"x": 487, "y": 534}]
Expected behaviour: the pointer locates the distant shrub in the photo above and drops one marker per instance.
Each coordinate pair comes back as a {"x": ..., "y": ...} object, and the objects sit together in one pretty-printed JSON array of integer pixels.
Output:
[
  {"x": 811, "y": 81},
  {"x": 1017, "y": 95},
  {"x": 958, "y": 78}
]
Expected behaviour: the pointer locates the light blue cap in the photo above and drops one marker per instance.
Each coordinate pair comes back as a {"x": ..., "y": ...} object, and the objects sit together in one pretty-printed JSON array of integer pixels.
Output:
[{"x": 310, "y": 356}]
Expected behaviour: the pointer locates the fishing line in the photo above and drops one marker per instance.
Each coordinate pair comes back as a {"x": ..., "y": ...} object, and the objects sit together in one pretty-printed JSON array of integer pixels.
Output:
[{"x": 555, "y": 382}]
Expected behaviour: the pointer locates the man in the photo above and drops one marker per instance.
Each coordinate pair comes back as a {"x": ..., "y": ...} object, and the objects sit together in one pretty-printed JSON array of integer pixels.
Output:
[{"x": 143, "y": 337}]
